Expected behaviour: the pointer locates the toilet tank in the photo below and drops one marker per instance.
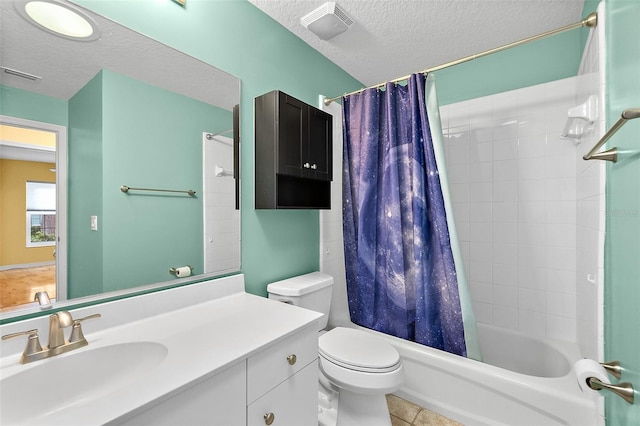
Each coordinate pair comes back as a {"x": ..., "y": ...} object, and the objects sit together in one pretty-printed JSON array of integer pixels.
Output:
[{"x": 311, "y": 291}]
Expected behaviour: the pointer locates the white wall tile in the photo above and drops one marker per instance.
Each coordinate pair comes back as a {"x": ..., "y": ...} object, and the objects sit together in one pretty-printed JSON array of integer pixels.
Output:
[
  {"x": 507, "y": 273},
  {"x": 532, "y": 211},
  {"x": 505, "y": 191},
  {"x": 481, "y": 292},
  {"x": 505, "y": 317},
  {"x": 480, "y": 192},
  {"x": 532, "y": 190},
  {"x": 505, "y": 233},
  {"x": 531, "y": 278},
  {"x": 532, "y": 168},
  {"x": 505, "y": 296},
  {"x": 505, "y": 170},
  {"x": 480, "y": 271},
  {"x": 532, "y": 323},
  {"x": 505, "y": 211},
  {"x": 532, "y": 300},
  {"x": 480, "y": 212},
  {"x": 505, "y": 256},
  {"x": 532, "y": 145},
  {"x": 561, "y": 328}
]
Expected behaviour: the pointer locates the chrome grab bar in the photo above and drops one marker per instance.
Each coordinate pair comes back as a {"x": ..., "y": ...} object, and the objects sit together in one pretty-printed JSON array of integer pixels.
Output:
[{"x": 611, "y": 154}]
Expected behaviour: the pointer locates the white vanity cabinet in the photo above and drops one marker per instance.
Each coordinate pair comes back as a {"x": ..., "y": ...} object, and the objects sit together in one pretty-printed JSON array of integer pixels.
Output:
[
  {"x": 278, "y": 385},
  {"x": 218, "y": 400},
  {"x": 282, "y": 382}
]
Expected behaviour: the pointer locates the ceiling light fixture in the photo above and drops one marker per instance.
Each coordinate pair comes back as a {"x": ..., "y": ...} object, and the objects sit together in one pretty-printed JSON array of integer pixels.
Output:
[
  {"x": 60, "y": 18},
  {"x": 327, "y": 21}
]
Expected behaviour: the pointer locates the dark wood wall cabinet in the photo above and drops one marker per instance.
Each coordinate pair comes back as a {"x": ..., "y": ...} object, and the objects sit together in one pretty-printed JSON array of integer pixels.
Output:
[{"x": 293, "y": 153}]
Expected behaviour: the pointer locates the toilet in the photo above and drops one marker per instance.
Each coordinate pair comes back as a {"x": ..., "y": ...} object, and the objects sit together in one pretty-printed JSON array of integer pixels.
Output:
[{"x": 357, "y": 369}]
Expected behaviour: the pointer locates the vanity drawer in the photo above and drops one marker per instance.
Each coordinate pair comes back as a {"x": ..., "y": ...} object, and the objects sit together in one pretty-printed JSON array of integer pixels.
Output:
[
  {"x": 293, "y": 402},
  {"x": 272, "y": 366}
]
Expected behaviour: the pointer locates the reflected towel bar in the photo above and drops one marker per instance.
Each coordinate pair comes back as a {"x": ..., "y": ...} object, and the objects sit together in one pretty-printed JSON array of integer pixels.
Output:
[
  {"x": 125, "y": 188},
  {"x": 611, "y": 154}
]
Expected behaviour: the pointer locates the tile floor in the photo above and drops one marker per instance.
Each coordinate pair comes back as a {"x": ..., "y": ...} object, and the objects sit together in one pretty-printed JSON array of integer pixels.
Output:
[{"x": 405, "y": 413}]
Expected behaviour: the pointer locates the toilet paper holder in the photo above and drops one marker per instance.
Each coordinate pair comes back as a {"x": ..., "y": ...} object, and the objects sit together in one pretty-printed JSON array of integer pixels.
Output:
[
  {"x": 624, "y": 390},
  {"x": 613, "y": 368},
  {"x": 174, "y": 271}
]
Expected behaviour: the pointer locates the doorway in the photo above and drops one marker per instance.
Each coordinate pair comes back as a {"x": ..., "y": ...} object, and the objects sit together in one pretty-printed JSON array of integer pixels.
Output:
[{"x": 32, "y": 211}]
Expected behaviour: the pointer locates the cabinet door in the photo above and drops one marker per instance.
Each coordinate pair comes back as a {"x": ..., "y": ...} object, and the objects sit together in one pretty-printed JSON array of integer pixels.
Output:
[
  {"x": 292, "y": 403},
  {"x": 319, "y": 149},
  {"x": 293, "y": 130},
  {"x": 217, "y": 401}
]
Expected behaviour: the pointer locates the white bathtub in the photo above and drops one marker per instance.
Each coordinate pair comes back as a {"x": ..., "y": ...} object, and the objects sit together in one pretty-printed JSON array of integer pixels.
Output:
[{"x": 538, "y": 388}]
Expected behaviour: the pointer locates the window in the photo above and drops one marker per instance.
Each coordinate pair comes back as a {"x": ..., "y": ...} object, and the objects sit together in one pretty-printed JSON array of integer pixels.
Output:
[{"x": 41, "y": 214}]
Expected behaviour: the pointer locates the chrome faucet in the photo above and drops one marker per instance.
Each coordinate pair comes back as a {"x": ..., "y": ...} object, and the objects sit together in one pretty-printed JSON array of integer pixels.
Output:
[
  {"x": 57, "y": 323},
  {"x": 57, "y": 344},
  {"x": 42, "y": 297}
]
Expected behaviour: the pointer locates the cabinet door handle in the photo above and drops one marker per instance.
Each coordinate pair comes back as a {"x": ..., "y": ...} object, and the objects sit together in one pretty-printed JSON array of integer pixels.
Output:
[
  {"x": 269, "y": 418},
  {"x": 292, "y": 359},
  {"x": 314, "y": 166},
  {"x": 306, "y": 165}
]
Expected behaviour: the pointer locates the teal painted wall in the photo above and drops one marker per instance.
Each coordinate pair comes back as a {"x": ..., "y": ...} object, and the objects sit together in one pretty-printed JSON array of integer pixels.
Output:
[
  {"x": 530, "y": 64},
  {"x": 152, "y": 147},
  {"x": 115, "y": 143},
  {"x": 29, "y": 106},
  {"x": 84, "y": 193},
  {"x": 622, "y": 242},
  {"x": 537, "y": 62}
]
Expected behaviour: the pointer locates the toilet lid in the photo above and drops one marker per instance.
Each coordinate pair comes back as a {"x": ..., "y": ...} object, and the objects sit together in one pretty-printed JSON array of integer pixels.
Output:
[{"x": 358, "y": 350}]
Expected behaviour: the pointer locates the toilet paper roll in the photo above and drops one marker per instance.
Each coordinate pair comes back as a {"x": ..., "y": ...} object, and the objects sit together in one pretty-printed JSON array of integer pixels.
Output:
[
  {"x": 183, "y": 271},
  {"x": 586, "y": 368}
]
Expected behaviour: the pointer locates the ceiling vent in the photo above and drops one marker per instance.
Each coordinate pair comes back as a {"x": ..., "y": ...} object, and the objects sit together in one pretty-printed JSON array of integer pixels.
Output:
[{"x": 327, "y": 21}]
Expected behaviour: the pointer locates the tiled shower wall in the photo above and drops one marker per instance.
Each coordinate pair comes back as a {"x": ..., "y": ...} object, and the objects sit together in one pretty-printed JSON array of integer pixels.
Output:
[
  {"x": 513, "y": 187},
  {"x": 221, "y": 219}
]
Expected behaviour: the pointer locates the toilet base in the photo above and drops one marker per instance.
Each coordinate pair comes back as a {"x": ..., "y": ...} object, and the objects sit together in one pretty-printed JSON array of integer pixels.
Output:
[
  {"x": 356, "y": 410},
  {"x": 362, "y": 410}
]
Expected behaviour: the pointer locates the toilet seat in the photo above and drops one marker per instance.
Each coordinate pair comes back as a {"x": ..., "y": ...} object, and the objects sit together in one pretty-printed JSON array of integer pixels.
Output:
[{"x": 358, "y": 351}]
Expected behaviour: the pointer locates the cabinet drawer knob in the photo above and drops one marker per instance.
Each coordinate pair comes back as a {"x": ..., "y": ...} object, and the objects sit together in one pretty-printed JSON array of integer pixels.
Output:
[
  {"x": 306, "y": 165},
  {"x": 269, "y": 418},
  {"x": 292, "y": 359},
  {"x": 314, "y": 166}
]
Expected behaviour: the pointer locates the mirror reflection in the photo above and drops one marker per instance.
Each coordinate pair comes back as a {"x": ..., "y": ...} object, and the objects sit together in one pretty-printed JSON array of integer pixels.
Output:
[{"x": 82, "y": 118}]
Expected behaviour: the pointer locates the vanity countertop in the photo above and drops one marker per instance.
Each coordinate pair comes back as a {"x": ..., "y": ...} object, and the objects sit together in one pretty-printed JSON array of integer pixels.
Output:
[{"x": 201, "y": 339}]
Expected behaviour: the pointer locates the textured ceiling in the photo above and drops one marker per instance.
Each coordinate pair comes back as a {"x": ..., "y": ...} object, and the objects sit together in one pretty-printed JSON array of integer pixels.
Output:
[
  {"x": 66, "y": 65},
  {"x": 393, "y": 38}
]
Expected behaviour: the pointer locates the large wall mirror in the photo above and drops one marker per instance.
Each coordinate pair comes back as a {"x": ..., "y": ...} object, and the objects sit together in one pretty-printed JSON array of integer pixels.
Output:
[{"x": 79, "y": 120}]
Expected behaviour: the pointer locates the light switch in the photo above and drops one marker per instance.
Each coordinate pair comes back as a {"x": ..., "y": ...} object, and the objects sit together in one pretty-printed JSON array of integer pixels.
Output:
[{"x": 94, "y": 223}]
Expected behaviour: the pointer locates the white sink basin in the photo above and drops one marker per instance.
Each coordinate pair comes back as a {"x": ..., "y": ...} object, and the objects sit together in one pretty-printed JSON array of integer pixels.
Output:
[{"x": 61, "y": 382}]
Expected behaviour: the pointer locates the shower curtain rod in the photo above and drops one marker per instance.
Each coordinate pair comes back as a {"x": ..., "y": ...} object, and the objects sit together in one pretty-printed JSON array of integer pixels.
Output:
[{"x": 590, "y": 22}]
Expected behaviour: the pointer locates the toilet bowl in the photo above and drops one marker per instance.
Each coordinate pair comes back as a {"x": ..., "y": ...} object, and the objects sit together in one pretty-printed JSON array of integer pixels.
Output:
[
  {"x": 363, "y": 369},
  {"x": 357, "y": 369}
]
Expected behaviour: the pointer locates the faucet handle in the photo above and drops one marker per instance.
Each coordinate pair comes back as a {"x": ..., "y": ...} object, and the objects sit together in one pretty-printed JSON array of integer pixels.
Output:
[
  {"x": 33, "y": 343},
  {"x": 76, "y": 329}
]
